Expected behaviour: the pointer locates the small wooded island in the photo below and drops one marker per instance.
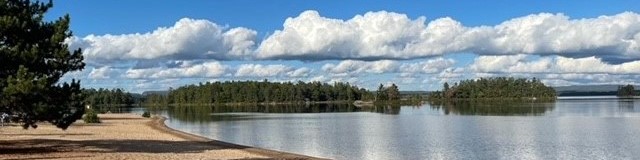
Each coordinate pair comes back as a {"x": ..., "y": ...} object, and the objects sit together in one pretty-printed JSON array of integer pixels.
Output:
[
  {"x": 503, "y": 88},
  {"x": 251, "y": 92},
  {"x": 626, "y": 91}
]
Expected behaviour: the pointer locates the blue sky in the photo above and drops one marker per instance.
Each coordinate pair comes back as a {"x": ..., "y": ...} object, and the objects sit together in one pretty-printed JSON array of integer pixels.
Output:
[{"x": 150, "y": 45}]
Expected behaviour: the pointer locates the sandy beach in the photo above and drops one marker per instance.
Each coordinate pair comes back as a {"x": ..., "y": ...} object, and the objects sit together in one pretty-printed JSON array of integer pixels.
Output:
[{"x": 122, "y": 136}]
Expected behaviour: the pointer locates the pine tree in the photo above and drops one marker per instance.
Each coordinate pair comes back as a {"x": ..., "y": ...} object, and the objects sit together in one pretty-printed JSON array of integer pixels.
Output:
[
  {"x": 34, "y": 57},
  {"x": 627, "y": 90},
  {"x": 393, "y": 93},
  {"x": 381, "y": 94}
]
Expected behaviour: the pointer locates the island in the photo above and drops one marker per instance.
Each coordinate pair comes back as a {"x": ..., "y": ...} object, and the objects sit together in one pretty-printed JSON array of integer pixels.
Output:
[
  {"x": 495, "y": 88},
  {"x": 626, "y": 91},
  {"x": 263, "y": 92}
]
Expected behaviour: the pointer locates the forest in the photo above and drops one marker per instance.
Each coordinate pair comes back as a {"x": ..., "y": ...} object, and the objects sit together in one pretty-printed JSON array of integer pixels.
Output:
[
  {"x": 495, "y": 88},
  {"x": 259, "y": 92},
  {"x": 108, "y": 97}
]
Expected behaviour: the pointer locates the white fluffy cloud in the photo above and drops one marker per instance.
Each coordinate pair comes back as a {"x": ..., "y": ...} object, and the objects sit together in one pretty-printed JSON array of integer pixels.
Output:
[
  {"x": 300, "y": 72},
  {"x": 101, "y": 73},
  {"x": 186, "y": 39},
  {"x": 258, "y": 70},
  {"x": 350, "y": 67},
  {"x": 207, "y": 69},
  {"x": 428, "y": 67},
  {"x": 377, "y": 35},
  {"x": 354, "y": 67},
  {"x": 557, "y": 64}
]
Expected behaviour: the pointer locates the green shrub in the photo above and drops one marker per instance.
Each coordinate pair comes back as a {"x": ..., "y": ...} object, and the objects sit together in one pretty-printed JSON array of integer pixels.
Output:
[
  {"x": 146, "y": 114},
  {"x": 91, "y": 116}
]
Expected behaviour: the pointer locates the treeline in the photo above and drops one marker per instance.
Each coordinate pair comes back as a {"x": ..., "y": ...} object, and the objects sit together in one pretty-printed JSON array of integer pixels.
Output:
[
  {"x": 259, "y": 92},
  {"x": 626, "y": 91},
  {"x": 495, "y": 88},
  {"x": 108, "y": 97}
]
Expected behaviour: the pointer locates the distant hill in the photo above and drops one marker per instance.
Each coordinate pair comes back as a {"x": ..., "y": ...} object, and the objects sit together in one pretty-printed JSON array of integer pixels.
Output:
[
  {"x": 413, "y": 92},
  {"x": 164, "y": 93},
  {"x": 588, "y": 90}
]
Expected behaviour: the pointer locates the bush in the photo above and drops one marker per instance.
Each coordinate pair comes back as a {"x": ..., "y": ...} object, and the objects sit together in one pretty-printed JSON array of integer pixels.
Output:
[
  {"x": 91, "y": 116},
  {"x": 146, "y": 114}
]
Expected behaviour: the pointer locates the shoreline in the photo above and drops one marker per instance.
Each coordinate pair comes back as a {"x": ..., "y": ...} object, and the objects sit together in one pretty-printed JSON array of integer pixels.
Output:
[
  {"x": 158, "y": 124},
  {"x": 122, "y": 136}
]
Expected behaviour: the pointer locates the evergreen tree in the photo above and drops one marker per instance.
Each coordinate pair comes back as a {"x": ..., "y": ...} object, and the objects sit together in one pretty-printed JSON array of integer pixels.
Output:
[
  {"x": 107, "y": 97},
  {"x": 260, "y": 92},
  {"x": 34, "y": 57},
  {"x": 627, "y": 90},
  {"x": 445, "y": 87},
  {"x": 393, "y": 93},
  {"x": 381, "y": 94},
  {"x": 497, "y": 87}
]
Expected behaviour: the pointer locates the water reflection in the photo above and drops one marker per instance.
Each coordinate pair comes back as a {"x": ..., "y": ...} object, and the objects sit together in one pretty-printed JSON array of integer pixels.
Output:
[
  {"x": 248, "y": 112},
  {"x": 228, "y": 112},
  {"x": 493, "y": 108},
  {"x": 568, "y": 129},
  {"x": 626, "y": 104}
]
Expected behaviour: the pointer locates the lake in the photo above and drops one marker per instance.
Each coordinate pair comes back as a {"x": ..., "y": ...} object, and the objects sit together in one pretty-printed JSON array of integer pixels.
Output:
[{"x": 565, "y": 129}]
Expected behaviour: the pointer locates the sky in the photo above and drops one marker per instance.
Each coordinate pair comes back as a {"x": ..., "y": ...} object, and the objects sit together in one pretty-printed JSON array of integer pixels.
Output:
[{"x": 147, "y": 45}]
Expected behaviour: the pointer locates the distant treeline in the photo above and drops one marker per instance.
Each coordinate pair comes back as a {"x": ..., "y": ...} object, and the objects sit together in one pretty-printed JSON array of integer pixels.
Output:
[
  {"x": 591, "y": 93},
  {"x": 259, "y": 92},
  {"x": 495, "y": 88},
  {"x": 108, "y": 97}
]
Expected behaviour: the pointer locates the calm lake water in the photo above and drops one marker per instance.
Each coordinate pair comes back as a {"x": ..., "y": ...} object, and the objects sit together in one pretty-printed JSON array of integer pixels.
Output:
[{"x": 565, "y": 129}]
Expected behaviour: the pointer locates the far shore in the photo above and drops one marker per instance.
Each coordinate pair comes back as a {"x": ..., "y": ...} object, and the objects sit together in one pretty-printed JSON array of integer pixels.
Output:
[
  {"x": 251, "y": 103},
  {"x": 122, "y": 136}
]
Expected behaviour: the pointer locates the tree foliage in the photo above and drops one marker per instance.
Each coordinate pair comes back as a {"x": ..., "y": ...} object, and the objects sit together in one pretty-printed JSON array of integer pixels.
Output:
[
  {"x": 390, "y": 93},
  {"x": 34, "y": 57},
  {"x": 498, "y": 87},
  {"x": 627, "y": 90},
  {"x": 108, "y": 97},
  {"x": 259, "y": 92},
  {"x": 91, "y": 117}
]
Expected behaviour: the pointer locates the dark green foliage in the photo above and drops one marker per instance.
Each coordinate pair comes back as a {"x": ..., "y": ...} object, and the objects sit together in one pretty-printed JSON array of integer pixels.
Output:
[
  {"x": 387, "y": 94},
  {"x": 492, "y": 107},
  {"x": 91, "y": 117},
  {"x": 393, "y": 93},
  {"x": 33, "y": 58},
  {"x": 625, "y": 91},
  {"x": 146, "y": 114},
  {"x": 258, "y": 92},
  {"x": 108, "y": 97},
  {"x": 498, "y": 88},
  {"x": 202, "y": 113},
  {"x": 381, "y": 94}
]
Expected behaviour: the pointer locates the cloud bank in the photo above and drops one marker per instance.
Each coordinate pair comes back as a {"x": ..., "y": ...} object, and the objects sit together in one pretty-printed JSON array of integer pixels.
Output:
[
  {"x": 186, "y": 39},
  {"x": 388, "y": 35},
  {"x": 378, "y": 35},
  {"x": 520, "y": 64}
]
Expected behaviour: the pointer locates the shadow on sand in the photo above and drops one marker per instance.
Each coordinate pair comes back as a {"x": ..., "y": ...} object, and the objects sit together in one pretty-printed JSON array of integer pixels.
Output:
[
  {"x": 191, "y": 144},
  {"x": 140, "y": 146}
]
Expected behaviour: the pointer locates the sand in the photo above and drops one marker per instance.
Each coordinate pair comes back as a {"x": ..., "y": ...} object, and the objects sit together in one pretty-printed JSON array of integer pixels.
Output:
[{"x": 122, "y": 136}]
